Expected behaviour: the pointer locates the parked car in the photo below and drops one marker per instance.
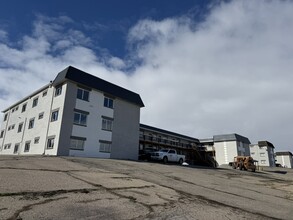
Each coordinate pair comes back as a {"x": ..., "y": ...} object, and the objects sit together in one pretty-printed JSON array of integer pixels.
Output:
[
  {"x": 146, "y": 154},
  {"x": 168, "y": 155}
]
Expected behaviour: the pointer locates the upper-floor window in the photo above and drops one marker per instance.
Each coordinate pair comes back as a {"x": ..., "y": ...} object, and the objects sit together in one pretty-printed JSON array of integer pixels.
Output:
[
  {"x": 54, "y": 116},
  {"x": 45, "y": 93},
  {"x": 5, "y": 116},
  {"x": 80, "y": 118},
  {"x": 36, "y": 140},
  {"x": 23, "y": 107},
  {"x": 2, "y": 134},
  {"x": 262, "y": 154},
  {"x": 41, "y": 115},
  {"x": 35, "y": 102},
  {"x": 58, "y": 90},
  {"x": 31, "y": 123},
  {"x": 20, "y": 127},
  {"x": 107, "y": 124},
  {"x": 108, "y": 102},
  {"x": 83, "y": 94}
]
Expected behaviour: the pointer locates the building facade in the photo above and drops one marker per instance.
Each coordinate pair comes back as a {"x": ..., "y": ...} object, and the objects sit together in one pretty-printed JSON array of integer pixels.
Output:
[
  {"x": 225, "y": 147},
  {"x": 77, "y": 114},
  {"x": 152, "y": 139},
  {"x": 263, "y": 152},
  {"x": 285, "y": 159}
]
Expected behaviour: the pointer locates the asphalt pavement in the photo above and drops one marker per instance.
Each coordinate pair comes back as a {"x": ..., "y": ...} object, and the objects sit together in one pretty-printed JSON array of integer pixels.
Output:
[{"x": 39, "y": 187}]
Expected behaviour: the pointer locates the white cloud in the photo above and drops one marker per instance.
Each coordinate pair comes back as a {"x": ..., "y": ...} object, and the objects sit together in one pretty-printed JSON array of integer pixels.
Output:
[{"x": 230, "y": 73}]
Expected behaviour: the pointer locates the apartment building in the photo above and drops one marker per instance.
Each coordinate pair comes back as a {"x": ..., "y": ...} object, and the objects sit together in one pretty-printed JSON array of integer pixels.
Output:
[
  {"x": 77, "y": 114},
  {"x": 263, "y": 152},
  {"x": 225, "y": 147},
  {"x": 152, "y": 138},
  {"x": 285, "y": 159}
]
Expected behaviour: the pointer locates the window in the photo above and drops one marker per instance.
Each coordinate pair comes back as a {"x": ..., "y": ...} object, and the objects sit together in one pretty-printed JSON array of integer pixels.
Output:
[
  {"x": 105, "y": 146},
  {"x": 7, "y": 146},
  {"x": 50, "y": 142},
  {"x": 27, "y": 146},
  {"x": 54, "y": 116},
  {"x": 108, "y": 102},
  {"x": 77, "y": 143},
  {"x": 171, "y": 151},
  {"x": 11, "y": 127},
  {"x": 263, "y": 162},
  {"x": 20, "y": 127},
  {"x": 23, "y": 107},
  {"x": 31, "y": 123},
  {"x": 35, "y": 102},
  {"x": 2, "y": 134},
  {"x": 262, "y": 154},
  {"x": 58, "y": 90},
  {"x": 41, "y": 115},
  {"x": 107, "y": 124},
  {"x": 37, "y": 140},
  {"x": 83, "y": 94},
  {"x": 80, "y": 118},
  {"x": 45, "y": 93},
  {"x": 252, "y": 153},
  {"x": 5, "y": 116},
  {"x": 16, "y": 146}
]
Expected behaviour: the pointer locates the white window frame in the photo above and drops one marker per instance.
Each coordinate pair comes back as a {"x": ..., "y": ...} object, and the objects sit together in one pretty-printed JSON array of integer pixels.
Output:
[
  {"x": 58, "y": 90},
  {"x": 107, "y": 124},
  {"x": 54, "y": 115},
  {"x": 77, "y": 143},
  {"x": 81, "y": 94},
  {"x": 108, "y": 102},
  {"x": 80, "y": 115},
  {"x": 105, "y": 146},
  {"x": 31, "y": 123},
  {"x": 23, "y": 108},
  {"x": 20, "y": 127},
  {"x": 27, "y": 144},
  {"x": 35, "y": 102},
  {"x": 50, "y": 142}
]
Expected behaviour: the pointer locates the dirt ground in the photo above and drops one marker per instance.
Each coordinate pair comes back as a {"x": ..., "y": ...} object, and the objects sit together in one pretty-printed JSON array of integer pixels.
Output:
[{"x": 87, "y": 188}]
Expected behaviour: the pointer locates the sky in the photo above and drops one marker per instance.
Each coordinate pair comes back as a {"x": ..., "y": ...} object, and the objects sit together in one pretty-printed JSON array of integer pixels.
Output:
[{"x": 201, "y": 67}]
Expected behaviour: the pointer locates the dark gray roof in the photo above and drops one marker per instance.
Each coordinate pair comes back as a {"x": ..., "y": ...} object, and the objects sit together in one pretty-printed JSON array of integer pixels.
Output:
[
  {"x": 83, "y": 78},
  {"x": 231, "y": 137},
  {"x": 143, "y": 126},
  {"x": 284, "y": 153},
  {"x": 265, "y": 143}
]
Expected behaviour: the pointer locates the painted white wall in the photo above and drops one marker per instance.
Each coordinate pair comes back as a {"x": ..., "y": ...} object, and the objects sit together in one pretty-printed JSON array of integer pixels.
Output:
[
  {"x": 285, "y": 160},
  {"x": 93, "y": 131},
  {"x": 264, "y": 155}
]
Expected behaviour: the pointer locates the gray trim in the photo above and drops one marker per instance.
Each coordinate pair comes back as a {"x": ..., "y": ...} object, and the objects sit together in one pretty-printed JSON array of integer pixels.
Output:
[
  {"x": 81, "y": 111},
  {"x": 231, "y": 137},
  {"x": 105, "y": 142},
  {"x": 84, "y": 87},
  {"x": 108, "y": 118},
  {"x": 78, "y": 138}
]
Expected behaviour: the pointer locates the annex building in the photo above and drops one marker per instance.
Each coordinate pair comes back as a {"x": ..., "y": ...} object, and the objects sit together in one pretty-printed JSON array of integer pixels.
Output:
[{"x": 77, "y": 114}]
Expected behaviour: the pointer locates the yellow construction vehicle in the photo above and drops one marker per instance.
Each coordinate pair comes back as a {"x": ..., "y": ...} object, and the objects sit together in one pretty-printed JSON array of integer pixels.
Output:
[{"x": 244, "y": 163}]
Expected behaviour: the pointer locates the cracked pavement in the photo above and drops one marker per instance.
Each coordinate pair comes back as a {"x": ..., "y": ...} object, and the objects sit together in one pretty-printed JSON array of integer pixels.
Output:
[{"x": 39, "y": 187}]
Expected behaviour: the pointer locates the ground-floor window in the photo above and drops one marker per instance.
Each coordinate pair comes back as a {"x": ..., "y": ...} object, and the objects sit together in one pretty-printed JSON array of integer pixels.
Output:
[
  {"x": 50, "y": 142},
  {"x": 27, "y": 146},
  {"x": 263, "y": 162},
  {"x": 77, "y": 143},
  {"x": 105, "y": 146}
]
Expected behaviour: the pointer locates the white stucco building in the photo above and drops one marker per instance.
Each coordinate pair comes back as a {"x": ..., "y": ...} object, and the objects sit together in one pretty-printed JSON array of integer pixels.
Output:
[
  {"x": 77, "y": 114},
  {"x": 285, "y": 159},
  {"x": 263, "y": 152},
  {"x": 228, "y": 146}
]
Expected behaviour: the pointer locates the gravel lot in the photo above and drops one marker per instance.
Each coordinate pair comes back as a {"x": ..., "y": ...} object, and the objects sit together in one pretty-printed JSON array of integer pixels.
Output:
[{"x": 87, "y": 188}]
